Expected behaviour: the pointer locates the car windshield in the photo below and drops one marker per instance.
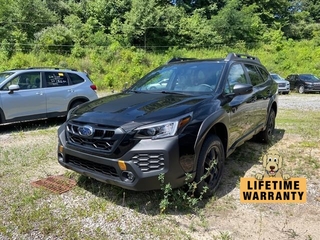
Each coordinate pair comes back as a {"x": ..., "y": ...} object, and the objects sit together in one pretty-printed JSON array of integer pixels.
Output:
[
  {"x": 309, "y": 78},
  {"x": 4, "y": 76},
  {"x": 201, "y": 76}
]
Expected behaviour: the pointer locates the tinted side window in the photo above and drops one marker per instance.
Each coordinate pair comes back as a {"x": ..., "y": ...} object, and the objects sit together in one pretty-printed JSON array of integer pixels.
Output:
[
  {"x": 264, "y": 74},
  {"x": 291, "y": 78},
  {"x": 254, "y": 74},
  {"x": 236, "y": 75},
  {"x": 56, "y": 79},
  {"x": 75, "y": 78}
]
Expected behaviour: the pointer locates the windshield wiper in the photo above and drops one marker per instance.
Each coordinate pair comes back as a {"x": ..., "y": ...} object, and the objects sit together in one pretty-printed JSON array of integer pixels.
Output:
[
  {"x": 171, "y": 92},
  {"x": 136, "y": 91}
]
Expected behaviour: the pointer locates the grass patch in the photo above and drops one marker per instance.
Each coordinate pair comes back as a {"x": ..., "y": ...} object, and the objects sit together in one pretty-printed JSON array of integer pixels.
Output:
[{"x": 299, "y": 122}]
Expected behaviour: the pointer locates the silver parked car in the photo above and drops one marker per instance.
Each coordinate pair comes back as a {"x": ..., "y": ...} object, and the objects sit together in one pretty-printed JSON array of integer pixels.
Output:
[
  {"x": 36, "y": 93},
  {"x": 283, "y": 85}
]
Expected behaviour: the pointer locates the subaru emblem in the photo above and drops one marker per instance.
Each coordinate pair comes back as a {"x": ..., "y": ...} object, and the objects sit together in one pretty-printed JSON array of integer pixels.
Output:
[{"x": 86, "y": 131}]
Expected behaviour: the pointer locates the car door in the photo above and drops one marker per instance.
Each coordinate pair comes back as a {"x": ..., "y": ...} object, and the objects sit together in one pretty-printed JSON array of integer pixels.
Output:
[
  {"x": 58, "y": 92},
  {"x": 240, "y": 108},
  {"x": 27, "y": 103},
  {"x": 262, "y": 92},
  {"x": 292, "y": 81}
]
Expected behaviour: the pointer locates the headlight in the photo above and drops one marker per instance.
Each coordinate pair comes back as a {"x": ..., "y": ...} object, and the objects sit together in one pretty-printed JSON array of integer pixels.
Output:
[{"x": 163, "y": 129}]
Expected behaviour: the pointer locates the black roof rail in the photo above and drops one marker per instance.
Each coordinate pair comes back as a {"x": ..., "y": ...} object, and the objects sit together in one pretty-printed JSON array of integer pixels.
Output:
[
  {"x": 239, "y": 55},
  {"x": 179, "y": 59},
  {"x": 55, "y": 68}
]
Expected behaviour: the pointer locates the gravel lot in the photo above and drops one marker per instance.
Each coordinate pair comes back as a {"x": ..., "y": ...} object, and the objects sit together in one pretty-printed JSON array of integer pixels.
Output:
[{"x": 300, "y": 101}]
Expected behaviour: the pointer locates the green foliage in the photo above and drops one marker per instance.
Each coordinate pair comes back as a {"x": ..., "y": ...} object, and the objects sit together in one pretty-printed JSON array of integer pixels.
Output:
[
  {"x": 236, "y": 23},
  {"x": 183, "y": 199},
  {"x": 57, "y": 39},
  {"x": 196, "y": 31},
  {"x": 113, "y": 67},
  {"x": 77, "y": 27}
]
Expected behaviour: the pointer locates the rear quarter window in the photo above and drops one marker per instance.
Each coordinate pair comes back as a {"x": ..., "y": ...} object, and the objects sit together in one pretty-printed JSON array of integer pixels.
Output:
[
  {"x": 264, "y": 74},
  {"x": 75, "y": 78},
  {"x": 254, "y": 75}
]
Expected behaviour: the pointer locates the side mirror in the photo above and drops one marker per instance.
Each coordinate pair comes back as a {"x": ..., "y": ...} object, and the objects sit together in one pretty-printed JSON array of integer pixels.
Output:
[
  {"x": 242, "y": 88},
  {"x": 13, "y": 88}
]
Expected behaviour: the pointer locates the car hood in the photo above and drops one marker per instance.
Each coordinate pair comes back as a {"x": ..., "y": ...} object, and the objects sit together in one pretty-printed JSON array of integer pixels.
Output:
[
  {"x": 281, "y": 81},
  {"x": 131, "y": 110}
]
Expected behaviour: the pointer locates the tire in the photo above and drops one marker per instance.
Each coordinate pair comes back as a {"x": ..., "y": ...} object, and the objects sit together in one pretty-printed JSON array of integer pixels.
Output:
[
  {"x": 266, "y": 135},
  {"x": 75, "y": 104},
  {"x": 301, "y": 89},
  {"x": 211, "y": 154}
]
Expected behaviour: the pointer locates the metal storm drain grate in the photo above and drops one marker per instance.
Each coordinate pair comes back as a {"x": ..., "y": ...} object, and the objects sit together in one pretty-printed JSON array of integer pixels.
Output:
[{"x": 57, "y": 184}]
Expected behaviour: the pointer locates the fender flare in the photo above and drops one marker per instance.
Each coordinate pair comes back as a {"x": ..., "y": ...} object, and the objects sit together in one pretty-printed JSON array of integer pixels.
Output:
[
  {"x": 219, "y": 117},
  {"x": 83, "y": 99}
]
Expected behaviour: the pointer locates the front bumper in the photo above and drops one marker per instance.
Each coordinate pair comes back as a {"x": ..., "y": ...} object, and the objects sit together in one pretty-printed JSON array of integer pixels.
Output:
[
  {"x": 138, "y": 169},
  {"x": 311, "y": 88},
  {"x": 283, "y": 88}
]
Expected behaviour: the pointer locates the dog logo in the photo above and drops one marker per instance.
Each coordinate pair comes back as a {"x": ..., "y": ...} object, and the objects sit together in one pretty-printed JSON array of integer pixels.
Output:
[{"x": 272, "y": 162}]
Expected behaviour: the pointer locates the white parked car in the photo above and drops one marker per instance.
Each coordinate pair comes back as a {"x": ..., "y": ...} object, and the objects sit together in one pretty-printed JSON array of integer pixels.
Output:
[
  {"x": 283, "y": 85},
  {"x": 159, "y": 85},
  {"x": 37, "y": 93}
]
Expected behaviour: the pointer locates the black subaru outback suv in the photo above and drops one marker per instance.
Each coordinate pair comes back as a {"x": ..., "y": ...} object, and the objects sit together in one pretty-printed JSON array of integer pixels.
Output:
[{"x": 187, "y": 125}]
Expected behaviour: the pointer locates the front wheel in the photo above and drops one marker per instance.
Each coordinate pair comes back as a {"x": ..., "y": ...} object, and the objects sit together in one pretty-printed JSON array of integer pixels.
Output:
[
  {"x": 209, "y": 167},
  {"x": 301, "y": 89}
]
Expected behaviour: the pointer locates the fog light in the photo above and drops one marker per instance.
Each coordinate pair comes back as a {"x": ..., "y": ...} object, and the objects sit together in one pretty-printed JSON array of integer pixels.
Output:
[
  {"x": 122, "y": 165},
  {"x": 60, "y": 148},
  {"x": 128, "y": 176},
  {"x": 60, "y": 157}
]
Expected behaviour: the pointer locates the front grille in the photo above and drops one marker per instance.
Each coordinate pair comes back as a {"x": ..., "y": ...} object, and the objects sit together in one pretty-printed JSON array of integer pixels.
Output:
[
  {"x": 148, "y": 162},
  {"x": 316, "y": 86},
  {"x": 282, "y": 85},
  {"x": 102, "y": 139},
  {"x": 91, "y": 166}
]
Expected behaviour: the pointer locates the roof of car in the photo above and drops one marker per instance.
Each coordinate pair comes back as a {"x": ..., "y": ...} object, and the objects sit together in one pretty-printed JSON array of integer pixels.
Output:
[
  {"x": 229, "y": 57},
  {"x": 42, "y": 69}
]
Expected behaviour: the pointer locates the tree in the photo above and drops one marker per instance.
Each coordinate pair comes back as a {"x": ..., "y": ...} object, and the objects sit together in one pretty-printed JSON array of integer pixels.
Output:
[
  {"x": 144, "y": 24},
  {"x": 21, "y": 19},
  {"x": 56, "y": 38},
  {"x": 303, "y": 20},
  {"x": 235, "y": 23},
  {"x": 313, "y": 7},
  {"x": 107, "y": 10},
  {"x": 196, "y": 31},
  {"x": 270, "y": 11}
]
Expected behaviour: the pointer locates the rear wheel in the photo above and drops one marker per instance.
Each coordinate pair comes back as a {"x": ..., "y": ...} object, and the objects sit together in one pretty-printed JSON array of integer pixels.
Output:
[
  {"x": 75, "y": 104},
  {"x": 266, "y": 135},
  {"x": 210, "y": 166}
]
